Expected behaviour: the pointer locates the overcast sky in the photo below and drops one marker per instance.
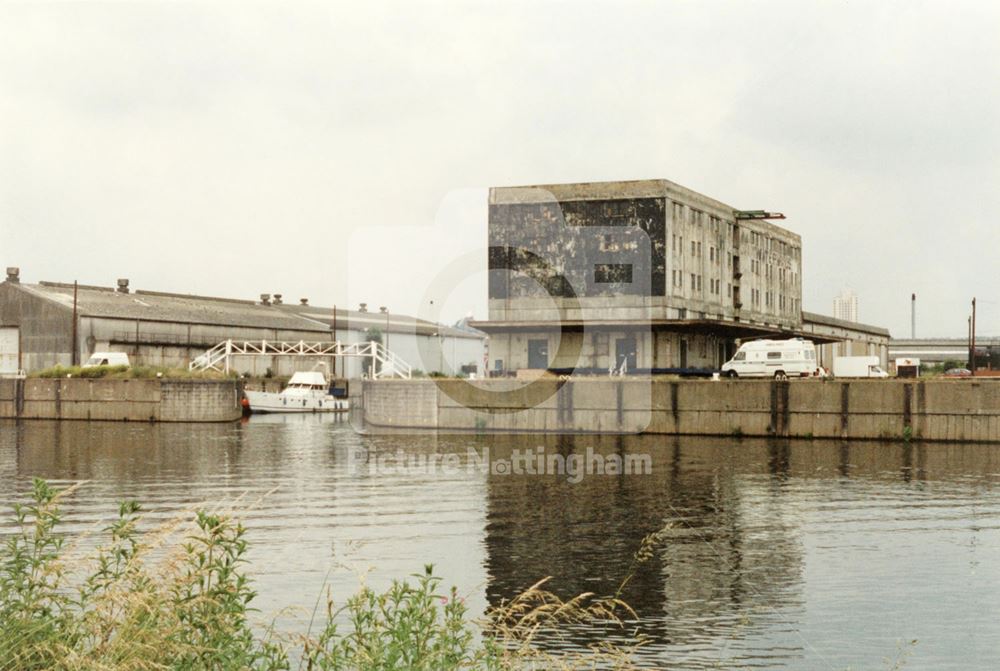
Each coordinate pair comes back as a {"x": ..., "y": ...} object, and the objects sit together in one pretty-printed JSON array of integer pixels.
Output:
[{"x": 342, "y": 151}]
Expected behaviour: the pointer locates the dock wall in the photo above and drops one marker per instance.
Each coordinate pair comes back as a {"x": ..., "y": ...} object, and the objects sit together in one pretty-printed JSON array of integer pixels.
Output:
[
  {"x": 153, "y": 400},
  {"x": 935, "y": 410}
]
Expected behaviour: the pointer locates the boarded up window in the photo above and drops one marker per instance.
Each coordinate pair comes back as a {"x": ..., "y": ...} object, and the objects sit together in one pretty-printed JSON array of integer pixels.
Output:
[{"x": 608, "y": 273}]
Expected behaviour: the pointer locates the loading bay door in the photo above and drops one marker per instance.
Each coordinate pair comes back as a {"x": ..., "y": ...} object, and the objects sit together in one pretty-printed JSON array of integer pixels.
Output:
[
  {"x": 10, "y": 352},
  {"x": 538, "y": 354}
]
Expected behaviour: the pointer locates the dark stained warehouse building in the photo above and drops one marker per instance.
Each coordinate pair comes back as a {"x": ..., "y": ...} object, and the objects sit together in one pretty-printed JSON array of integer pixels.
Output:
[{"x": 637, "y": 275}]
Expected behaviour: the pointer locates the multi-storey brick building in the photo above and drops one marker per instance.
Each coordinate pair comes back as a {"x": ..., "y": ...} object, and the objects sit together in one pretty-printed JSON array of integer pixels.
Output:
[{"x": 649, "y": 273}]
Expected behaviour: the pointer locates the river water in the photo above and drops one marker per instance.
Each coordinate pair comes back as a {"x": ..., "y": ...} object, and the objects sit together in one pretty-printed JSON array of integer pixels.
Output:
[{"x": 774, "y": 554}]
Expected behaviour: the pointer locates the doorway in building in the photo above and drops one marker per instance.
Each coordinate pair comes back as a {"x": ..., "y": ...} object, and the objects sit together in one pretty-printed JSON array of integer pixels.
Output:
[
  {"x": 538, "y": 354},
  {"x": 684, "y": 353},
  {"x": 10, "y": 350},
  {"x": 625, "y": 352}
]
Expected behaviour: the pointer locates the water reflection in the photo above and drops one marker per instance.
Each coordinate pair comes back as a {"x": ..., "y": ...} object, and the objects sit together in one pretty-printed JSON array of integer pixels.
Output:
[
  {"x": 728, "y": 553},
  {"x": 776, "y": 554}
]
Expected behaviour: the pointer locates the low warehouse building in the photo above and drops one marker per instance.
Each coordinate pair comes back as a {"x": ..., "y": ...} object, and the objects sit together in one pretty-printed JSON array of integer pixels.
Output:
[
  {"x": 50, "y": 323},
  {"x": 853, "y": 339}
]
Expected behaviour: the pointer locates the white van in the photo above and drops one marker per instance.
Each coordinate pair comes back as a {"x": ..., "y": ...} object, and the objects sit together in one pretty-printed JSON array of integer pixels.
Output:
[
  {"x": 858, "y": 366},
  {"x": 779, "y": 359},
  {"x": 107, "y": 359}
]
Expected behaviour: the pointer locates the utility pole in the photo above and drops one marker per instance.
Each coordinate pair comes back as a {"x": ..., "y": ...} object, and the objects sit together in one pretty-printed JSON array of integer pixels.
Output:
[
  {"x": 75, "y": 356},
  {"x": 973, "y": 369},
  {"x": 968, "y": 342}
]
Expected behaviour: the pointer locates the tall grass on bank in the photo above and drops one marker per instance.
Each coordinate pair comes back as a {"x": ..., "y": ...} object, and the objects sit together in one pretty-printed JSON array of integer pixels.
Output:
[
  {"x": 128, "y": 373},
  {"x": 190, "y": 610}
]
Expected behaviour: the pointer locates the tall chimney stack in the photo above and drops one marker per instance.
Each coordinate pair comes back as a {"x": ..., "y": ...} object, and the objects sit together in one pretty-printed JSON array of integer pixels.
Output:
[
  {"x": 913, "y": 316},
  {"x": 123, "y": 286},
  {"x": 13, "y": 275}
]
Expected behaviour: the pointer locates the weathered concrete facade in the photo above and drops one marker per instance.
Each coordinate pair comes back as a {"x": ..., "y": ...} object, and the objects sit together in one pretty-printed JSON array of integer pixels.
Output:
[
  {"x": 934, "y": 410},
  {"x": 45, "y": 328},
  {"x": 597, "y": 346},
  {"x": 646, "y": 272},
  {"x": 153, "y": 400},
  {"x": 637, "y": 250}
]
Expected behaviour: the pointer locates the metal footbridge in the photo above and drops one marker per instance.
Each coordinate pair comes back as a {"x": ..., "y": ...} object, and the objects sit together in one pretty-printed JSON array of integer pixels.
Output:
[{"x": 384, "y": 362}]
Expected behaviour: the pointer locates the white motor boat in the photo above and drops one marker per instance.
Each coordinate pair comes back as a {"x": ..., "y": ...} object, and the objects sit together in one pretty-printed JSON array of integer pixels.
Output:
[{"x": 306, "y": 392}]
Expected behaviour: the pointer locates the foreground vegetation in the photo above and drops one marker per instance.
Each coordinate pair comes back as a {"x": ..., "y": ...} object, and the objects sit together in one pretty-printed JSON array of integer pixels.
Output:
[
  {"x": 178, "y": 598},
  {"x": 125, "y": 372}
]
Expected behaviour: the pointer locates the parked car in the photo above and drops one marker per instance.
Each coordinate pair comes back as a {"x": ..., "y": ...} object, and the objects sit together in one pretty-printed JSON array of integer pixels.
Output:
[{"x": 958, "y": 372}]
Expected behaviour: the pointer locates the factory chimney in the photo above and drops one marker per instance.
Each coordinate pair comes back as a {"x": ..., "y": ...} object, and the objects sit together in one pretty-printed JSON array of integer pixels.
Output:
[
  {"x": 123, "y": 286},
  {"x": 14, "y": 275},
  {"x": 913, "y": 316}
]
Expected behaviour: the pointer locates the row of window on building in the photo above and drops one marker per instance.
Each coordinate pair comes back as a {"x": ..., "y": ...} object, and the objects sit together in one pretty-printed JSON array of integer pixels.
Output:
[
  {"x": 784, "y": 304},
  {"x": 756, "y": 238},
  {"x": 758, "y": 298},
  {"x": 715, "y": 256},
  {"x": 770, "y": 271}
]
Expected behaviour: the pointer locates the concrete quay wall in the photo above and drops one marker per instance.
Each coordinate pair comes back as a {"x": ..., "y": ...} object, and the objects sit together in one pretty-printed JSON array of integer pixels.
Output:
[
  {"x": 934, "y": 410},
  {"x": 153, "y": 400}
]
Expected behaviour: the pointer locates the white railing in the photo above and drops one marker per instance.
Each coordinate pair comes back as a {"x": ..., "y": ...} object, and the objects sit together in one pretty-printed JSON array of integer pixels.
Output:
[{"x": 384, "y": 362}]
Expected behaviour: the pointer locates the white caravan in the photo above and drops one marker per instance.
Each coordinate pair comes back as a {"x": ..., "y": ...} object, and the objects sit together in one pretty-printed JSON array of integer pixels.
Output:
[{"x": 779, "y": 359}]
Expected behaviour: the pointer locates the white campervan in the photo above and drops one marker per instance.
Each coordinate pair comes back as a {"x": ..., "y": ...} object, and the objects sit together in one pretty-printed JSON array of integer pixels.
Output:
[{"x": 779, "y": 359}]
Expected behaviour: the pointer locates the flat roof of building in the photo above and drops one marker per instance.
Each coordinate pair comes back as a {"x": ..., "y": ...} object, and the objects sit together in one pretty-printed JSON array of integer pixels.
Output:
[
  {"x": 612, "y": 190},
  {"x": 824, "y": 320},
  {"x": 728, "y": 328}
]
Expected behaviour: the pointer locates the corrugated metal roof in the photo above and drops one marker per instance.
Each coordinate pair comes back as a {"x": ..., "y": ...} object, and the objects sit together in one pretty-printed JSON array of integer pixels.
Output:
[
  {"x": 191, "y": 309},
  {"x": 163, "y": 307},
  {"x": 398, "y": 323}
]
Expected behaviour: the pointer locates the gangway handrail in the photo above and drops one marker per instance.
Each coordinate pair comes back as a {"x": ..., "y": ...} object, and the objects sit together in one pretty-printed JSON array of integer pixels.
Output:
[{"x": 218, "y": 357}]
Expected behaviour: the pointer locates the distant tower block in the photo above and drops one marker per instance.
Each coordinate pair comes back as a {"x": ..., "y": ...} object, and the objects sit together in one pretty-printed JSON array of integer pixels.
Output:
[{"x": 845, "y": 306}]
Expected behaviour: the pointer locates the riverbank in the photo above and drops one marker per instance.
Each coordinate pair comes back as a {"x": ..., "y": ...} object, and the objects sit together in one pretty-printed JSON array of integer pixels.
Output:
[
  {"x": 124, "y": 607},
  {"x": 129, "y": 400},
  {"x": 932, "y": 410}
]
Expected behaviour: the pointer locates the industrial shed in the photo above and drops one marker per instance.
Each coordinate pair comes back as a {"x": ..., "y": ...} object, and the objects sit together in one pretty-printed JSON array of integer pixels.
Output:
[
  {"x": 50, "y": 323},
  {"x": 853, "y": 339}
]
